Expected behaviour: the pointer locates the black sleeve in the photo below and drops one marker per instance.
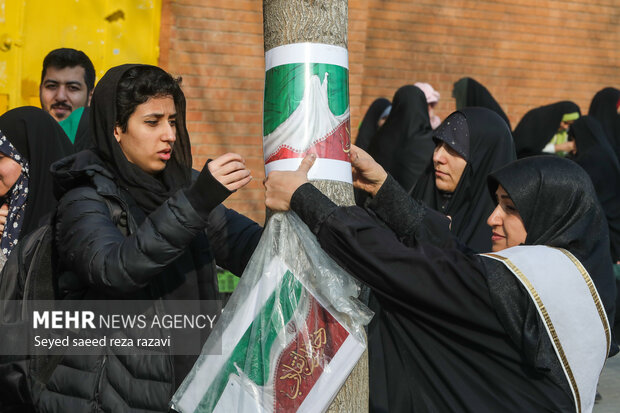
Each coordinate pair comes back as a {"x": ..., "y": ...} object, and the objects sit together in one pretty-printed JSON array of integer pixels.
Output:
[
  {"x": 424, "y": 278},
  {"x": 233, "y": 238},
  {"x": 411, "y": 221},
  {"x": 206, "y": 192},
  {"x": 90, "y": 244}
]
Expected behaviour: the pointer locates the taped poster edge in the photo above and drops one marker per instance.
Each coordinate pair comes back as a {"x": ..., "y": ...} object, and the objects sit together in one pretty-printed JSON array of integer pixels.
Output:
[
  {"x": 306, "y": 53},
  {"x": 323, "y": 169}
]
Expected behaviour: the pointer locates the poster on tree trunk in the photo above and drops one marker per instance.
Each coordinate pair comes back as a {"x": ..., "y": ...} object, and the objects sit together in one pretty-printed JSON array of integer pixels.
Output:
[
  {"x": 306, "y": 110},
  {"x": 289, "y": 336}
]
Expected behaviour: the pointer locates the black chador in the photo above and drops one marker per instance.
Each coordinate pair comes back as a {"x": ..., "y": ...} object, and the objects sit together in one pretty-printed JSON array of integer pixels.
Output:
[
  {"x": 483, "y": 139},
  {"x": 460, "y": 332}
]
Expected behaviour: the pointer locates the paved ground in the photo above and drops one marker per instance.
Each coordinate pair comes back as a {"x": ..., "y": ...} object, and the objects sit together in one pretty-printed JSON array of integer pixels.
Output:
[{"x": 609, "y": 387}]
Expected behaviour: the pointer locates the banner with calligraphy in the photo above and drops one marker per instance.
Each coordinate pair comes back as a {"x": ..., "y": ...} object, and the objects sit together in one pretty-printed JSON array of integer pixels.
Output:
[{"x": 290, "y": 334}]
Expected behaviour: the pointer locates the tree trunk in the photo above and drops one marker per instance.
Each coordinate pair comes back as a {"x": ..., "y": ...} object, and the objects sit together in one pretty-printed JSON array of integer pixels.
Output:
[{"x": 324, "y": 22}]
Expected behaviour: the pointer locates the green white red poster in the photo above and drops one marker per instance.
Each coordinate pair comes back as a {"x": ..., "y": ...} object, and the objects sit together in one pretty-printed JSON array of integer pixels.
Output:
[
  {"x": 282, "y": 351},
  {"x": 306, "y": 109}
]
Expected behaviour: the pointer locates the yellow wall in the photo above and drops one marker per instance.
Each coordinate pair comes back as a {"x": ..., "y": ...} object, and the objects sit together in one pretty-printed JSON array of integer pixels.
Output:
[{"x": 110, "y": 32}]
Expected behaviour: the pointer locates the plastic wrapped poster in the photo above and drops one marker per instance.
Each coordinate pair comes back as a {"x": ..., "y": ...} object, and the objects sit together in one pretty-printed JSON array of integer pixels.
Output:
[
  {"x": 306, "y": 109},
  {"x": 289, "y": 336}
]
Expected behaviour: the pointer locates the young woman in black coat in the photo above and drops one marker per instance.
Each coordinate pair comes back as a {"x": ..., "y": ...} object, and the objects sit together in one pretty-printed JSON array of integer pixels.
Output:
[
  {"x": 476, "y": 333},
  {"x": 177, "y": 231}
]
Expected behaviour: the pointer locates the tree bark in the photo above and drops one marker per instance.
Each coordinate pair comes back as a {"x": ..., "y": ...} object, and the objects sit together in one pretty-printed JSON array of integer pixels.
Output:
[
  {"x": 320, "y": 21},
  {"x": 298, "y": 21}
]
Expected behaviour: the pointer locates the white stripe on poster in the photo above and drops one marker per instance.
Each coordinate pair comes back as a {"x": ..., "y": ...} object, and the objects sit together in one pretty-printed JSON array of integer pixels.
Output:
[
  {"x": 323, "y": 168},
  {"x": 306, "y": 53}
]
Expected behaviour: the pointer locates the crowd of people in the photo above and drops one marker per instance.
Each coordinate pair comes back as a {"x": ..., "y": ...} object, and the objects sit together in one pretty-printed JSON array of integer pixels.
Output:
[{"x": 463, "y": 231}]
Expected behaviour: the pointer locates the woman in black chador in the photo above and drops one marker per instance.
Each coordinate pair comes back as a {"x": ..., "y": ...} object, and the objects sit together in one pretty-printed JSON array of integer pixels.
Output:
[
  {"x": 370, "y": 123},
  {"x": 403, "y": 144},
  {"x": 470, "y": 143},
  {"x": 30, "y": 141},
  {"x": 468, "y": 92},
  {"x": 594, "y": 154},
  {"x": 543, "y": 130},
  {"x": 605, "y": 107},
  {"x": 477, "y": 333},
  {"x": 171, "y": 231}
]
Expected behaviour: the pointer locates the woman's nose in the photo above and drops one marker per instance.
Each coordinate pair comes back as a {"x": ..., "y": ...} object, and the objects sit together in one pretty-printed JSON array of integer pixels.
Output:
[{"x": 494, "y": 218}]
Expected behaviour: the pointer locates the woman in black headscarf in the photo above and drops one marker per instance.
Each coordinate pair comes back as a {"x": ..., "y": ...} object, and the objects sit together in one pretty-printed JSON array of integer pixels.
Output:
[
  {"x": 544, "y": 129},
  {"x": 594, "y": 154},
  {"x": 468, "y": 92},
  {"x": 482, "y": 140},
  {"x": 604, "y": 108},
  {"x": 164, "y": 245},
  {"x": 77, "y": 128},
  {"x": 403, "y": 144},
  {"x": 83, "y": 134},
  {"x": 370, "y": 123},
  {"x": 31, "y": 140},
  {"x": 477, "y": 333}
]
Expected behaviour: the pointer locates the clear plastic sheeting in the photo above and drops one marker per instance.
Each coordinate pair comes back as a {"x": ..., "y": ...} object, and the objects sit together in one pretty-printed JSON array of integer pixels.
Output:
[{"x": 290, "y": 335}]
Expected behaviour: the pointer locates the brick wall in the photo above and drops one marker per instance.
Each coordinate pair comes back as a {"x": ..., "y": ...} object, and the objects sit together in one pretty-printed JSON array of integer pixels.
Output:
[
  {"x": 217, "y": 48},
  {"x": 526, "y": 52}
]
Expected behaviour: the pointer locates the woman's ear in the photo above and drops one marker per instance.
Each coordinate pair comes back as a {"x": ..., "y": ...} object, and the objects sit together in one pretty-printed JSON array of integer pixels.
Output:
[{"x": 117, "y": 133}]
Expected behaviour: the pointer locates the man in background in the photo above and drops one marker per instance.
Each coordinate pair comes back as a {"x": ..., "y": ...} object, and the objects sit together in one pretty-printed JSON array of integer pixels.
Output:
[{"x": 67, "y": 82}]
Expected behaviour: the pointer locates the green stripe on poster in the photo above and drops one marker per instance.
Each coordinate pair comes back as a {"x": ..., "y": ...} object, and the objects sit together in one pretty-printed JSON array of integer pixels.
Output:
[
  {"x": 285, "y": 85},
  {"x": 251, "y": 354}
]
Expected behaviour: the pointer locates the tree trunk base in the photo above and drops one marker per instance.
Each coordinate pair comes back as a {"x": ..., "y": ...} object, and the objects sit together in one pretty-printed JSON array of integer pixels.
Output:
[{"x": 353, "y": 396}]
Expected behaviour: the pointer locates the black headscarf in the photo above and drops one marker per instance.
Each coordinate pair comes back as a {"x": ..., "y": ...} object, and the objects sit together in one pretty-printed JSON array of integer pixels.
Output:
[
  {"x": 559, "y": 208},
  {"x": 538, "y": 126},
  {"x": 404, "y": 143},
  {"x": 604, "y": 108},
  {"x": 469, "y": 92},
  {"x": 149, "y": 191},
  {"x": 369, "y": 126},
  {"x": 483, "y": 139},
  {"x": 596, "y": 157},
  {"x": 39, "y": 139},
  {"x": 84, "y": 133}
]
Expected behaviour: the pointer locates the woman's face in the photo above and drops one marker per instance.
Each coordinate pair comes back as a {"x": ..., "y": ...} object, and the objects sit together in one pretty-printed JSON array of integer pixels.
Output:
[
  {"x": 506, "y": 223},
  {"x": 565, "y": 125},
  {"x": 9, "y": 173},
  {"x": 449, "y": 167},
  {"x": 150, "y": 134}
]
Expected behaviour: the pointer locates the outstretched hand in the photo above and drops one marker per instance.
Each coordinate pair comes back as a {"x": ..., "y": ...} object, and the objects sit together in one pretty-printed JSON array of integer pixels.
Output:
[
  {"x": 280, "y": 185},
  {"x": 368, "y": 175},
  {"x": 230, "y": 171}
]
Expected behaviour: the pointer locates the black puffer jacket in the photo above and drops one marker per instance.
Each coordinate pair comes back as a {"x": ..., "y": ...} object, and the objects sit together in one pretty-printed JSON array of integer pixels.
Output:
[{"x": 169, "y": 254}]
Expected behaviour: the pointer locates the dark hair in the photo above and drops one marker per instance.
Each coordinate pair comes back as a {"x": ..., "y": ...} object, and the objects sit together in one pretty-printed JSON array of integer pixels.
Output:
[
  {"x": 140, "y": 83},
  {"x": 65, "y": 57}
]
